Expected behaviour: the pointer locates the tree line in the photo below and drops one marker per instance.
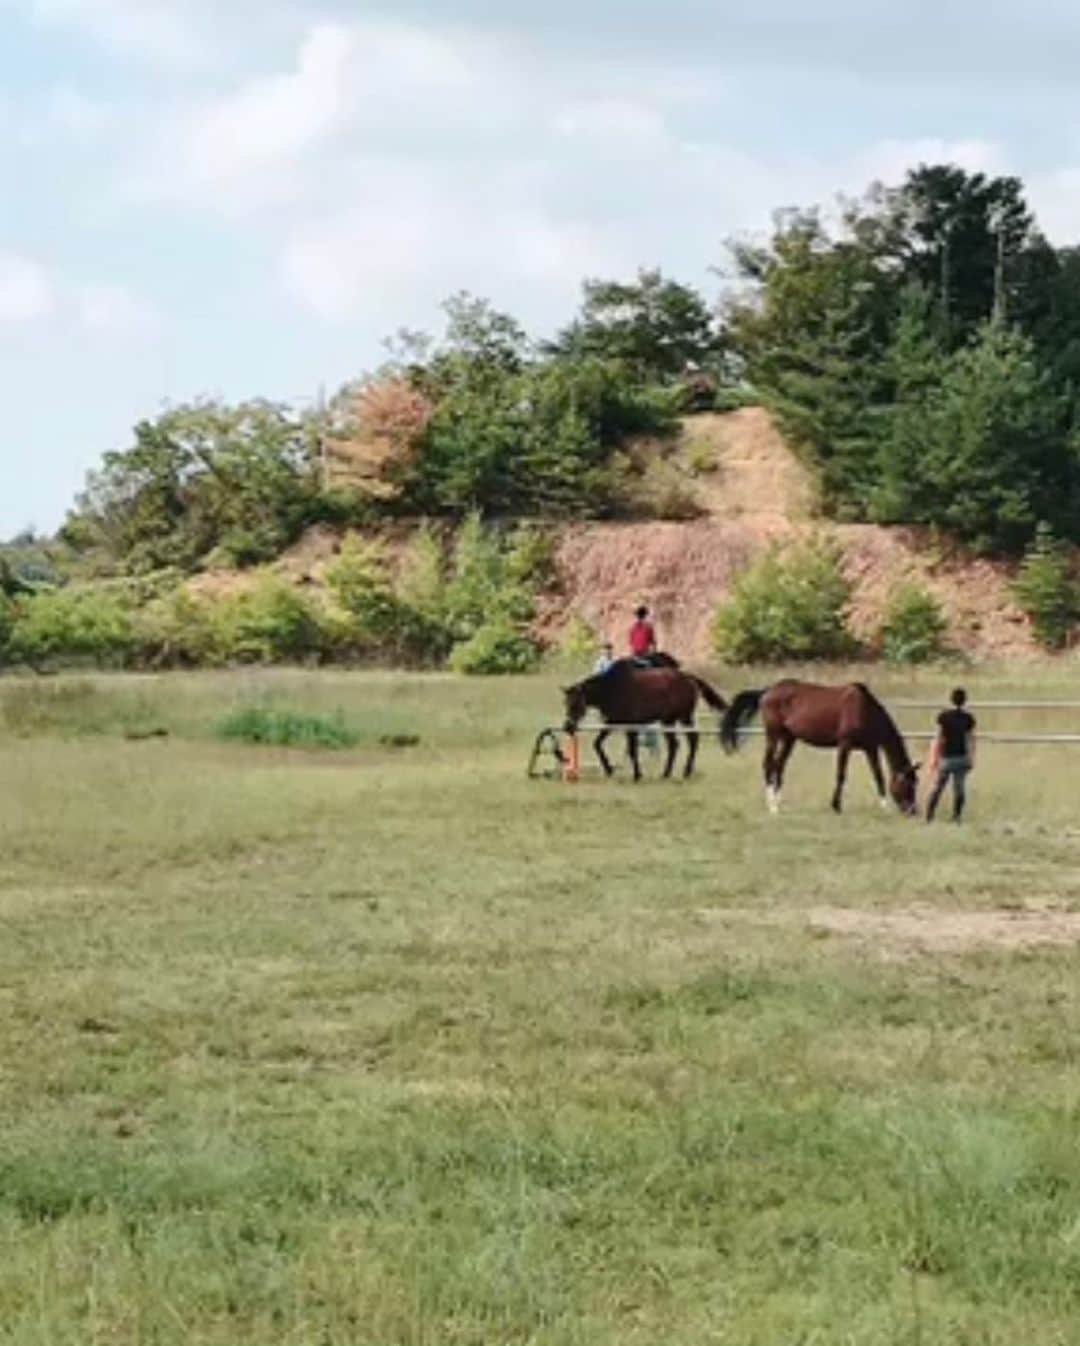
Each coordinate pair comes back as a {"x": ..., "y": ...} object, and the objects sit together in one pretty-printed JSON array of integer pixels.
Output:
[{"x": 920, "y": 347}]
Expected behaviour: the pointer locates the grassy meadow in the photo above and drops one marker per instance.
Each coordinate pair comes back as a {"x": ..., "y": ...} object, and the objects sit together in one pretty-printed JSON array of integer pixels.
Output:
[{"x": 391, "y": 1045}]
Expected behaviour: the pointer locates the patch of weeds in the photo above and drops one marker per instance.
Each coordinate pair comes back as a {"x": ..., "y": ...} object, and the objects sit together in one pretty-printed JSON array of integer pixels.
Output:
[{"x": 280, "y": 728}]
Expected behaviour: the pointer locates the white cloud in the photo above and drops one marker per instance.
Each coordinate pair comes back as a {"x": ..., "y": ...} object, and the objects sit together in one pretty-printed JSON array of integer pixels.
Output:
[
  {"x": 112, "y": 309},
  {"x": 162, "y": 31},
  {"x": 889, "y": 160},
  {"x": 351, "y": 83},
  {"x": 612, "y": 122},
  {"x": 75, "y": 115},
  {"x": 27, "y": 290},
  {"x": 31, "y": 292},
  {"x": 1055, "y": 198},
  {"x": 270, "y": 121}
]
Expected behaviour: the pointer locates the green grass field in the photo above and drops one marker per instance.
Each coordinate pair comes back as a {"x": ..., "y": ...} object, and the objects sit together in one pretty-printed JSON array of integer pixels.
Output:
[{"x": 391, "y": 1045}]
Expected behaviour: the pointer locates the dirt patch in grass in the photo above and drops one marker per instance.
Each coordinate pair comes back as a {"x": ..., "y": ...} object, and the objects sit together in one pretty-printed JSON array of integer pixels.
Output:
[
  {"x": 923, "y": 929},
  {"x": 916, "y": 930}
]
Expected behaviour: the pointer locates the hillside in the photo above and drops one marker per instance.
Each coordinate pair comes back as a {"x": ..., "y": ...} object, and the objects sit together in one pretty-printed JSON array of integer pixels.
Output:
[
  {"x": 758, "y": 492},
  {"x": 749, "y": 489}
]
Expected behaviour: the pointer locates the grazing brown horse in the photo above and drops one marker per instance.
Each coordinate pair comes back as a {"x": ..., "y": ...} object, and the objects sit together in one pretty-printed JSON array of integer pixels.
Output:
[
  {"x": 630, "y": 694},
  {"x": 847, "y": 718}
]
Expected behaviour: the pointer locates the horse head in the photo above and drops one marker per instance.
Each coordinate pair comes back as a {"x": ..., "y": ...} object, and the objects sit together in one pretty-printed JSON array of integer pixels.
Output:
[
  {"x": 904, "y": 787},
  {"x": 576, "y": 706}
]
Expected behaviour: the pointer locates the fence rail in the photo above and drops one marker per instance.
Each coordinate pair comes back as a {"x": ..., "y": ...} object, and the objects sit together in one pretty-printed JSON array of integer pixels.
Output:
[
  {"x": 599, "y": 728},
  {"x": 989, "y": 705}
]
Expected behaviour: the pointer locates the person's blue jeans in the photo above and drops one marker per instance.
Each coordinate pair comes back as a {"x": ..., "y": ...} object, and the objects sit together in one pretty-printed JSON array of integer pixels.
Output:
[{"x": 953, "y": 769}]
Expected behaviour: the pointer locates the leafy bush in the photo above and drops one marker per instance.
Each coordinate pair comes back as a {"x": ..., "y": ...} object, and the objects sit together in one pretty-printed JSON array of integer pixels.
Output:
[
  {"x": 913, "y": 630},
  {"x": 73, "y": 623},
  {"x": 701, "y": 457},
  {"x": 734, "y": 397},
  {"x": 495, "y": 647},
  {"x": 404, "y": 623},
  {"x": 579, "y": 641},
  {"x": 1045, "y": 589},
  {"x": 490, "y": 582},
  {"x": 178, "y": 630},
  {"x": 286, "y": 728},
  {"x": 7, "y": 623},
  {"x": 268, "y": 623},
  {"x": 790, "y": 604},
  {"x": 360, "y": 581}
]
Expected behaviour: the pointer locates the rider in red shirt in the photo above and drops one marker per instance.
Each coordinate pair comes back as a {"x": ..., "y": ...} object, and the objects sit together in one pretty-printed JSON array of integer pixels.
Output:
[{"x": 642, "y": 635}]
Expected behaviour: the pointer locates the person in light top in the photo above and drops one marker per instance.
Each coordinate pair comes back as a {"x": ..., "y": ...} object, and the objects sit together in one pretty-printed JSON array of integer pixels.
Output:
[{"x": 606, "y": 659}]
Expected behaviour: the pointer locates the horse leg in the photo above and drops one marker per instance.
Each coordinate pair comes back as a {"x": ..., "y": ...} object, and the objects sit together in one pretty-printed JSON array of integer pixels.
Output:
[
  {"x": 874, "y": 758},
  {"x": 672, "y": 749},
  {"x": 769, "y": 768},
  {"x": 692, "y": 737},
  {"x": 780, "y": 761},
  {"x": 631, "y": 746},
  {"x": 598, "y": 744},
  {"x": 843, "y": 752}
]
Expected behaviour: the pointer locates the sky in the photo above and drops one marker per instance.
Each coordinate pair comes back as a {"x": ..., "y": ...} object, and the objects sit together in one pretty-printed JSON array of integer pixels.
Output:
[{"x": 244, "y": 198}]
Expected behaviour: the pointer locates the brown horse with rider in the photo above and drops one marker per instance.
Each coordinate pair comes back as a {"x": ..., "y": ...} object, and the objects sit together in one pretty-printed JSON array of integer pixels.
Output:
[{"x": 632, "y": 694}]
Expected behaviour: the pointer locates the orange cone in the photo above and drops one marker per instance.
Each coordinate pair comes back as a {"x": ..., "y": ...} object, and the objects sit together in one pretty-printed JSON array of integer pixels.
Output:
[{"x": 573, "y": 758}]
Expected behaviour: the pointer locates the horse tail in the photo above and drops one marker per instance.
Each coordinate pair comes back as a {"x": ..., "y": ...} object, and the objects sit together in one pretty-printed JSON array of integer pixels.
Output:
[
  {"x": 741, "y": 711},
  {"x": 711, "y": 695}
]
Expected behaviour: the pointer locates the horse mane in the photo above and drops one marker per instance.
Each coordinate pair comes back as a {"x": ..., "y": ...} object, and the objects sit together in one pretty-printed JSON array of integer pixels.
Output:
[{"x": 892, "y": 741}]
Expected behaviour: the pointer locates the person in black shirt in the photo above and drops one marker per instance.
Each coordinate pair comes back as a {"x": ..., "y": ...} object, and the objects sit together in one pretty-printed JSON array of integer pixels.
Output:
[{"x": 952, "y": 755}]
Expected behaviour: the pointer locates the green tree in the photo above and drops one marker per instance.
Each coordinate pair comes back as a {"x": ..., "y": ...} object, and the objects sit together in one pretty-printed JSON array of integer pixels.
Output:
[
  {"x": 915, "y": 366},
  {"x": 997, "y": 457},
  {"x": 1046, "y": 590},
  {"x": 965, "y": 238},
  {"x": 811, "y": 336},
  {"x": 656, "y": 327},
  {"x": 535, "y": 442},
  {"x": 202, "y": 477}
]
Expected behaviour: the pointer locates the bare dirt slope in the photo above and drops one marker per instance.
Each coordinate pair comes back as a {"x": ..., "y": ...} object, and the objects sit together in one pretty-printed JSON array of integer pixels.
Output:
[
  {"x": 758, "y": 492},
  {"x": 750, "y": 490}
]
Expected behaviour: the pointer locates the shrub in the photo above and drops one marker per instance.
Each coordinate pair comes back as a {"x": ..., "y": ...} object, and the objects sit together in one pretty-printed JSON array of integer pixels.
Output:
[
  {"x": 790, "y": 604},
  {"x": 360, "y": 581},
  {"x": 286, "y": 728},
  {"x": 1045, "y": 590},
  {"x": 734, "y": 397},
  {"x": 579, "y": 641},
  {"x": 177, "y": 630},
  {"x": 7, "y": 623},
  {"x": 83, "y": 623},
  {"x": 405, "y": 623},
  {"x": 495, "y": 647},
  {"x": 646, "y": 485},
  {"x": 701, "y": 457},
  {"x": 269, "y": 623},
  {"x": 913, "y": 630},
  {"x": 490, "y": 582}
]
